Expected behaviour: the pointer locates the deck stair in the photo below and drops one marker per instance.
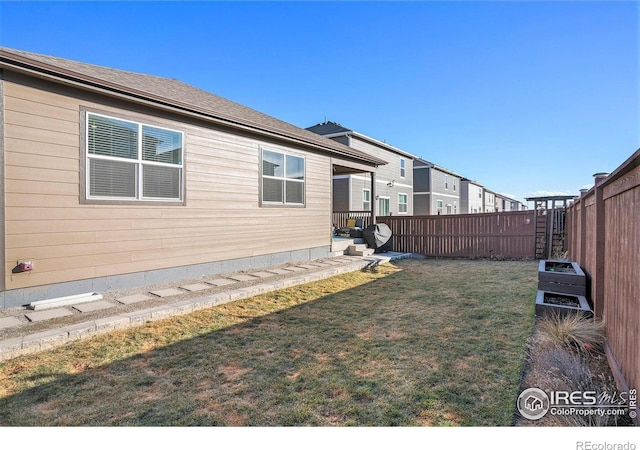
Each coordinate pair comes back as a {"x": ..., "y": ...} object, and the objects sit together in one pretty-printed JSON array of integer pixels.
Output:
[
  {"x": 351, "y": 247},
  {"x": 359, "y": 250}
]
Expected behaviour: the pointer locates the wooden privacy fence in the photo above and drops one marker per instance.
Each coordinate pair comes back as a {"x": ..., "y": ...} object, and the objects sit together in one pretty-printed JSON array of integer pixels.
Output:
[
  {"x": 504, "y": 234},
  {"x": 603, "y": 236}
]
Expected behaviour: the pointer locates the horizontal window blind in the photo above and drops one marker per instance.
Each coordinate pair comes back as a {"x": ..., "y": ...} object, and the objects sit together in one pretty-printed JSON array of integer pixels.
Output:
[
  {"x": 112, "y": 179},
  {"x": 283, "y": 178},
  {"x": 133, "y": 161},
  {"x": 161, "y": 182}
]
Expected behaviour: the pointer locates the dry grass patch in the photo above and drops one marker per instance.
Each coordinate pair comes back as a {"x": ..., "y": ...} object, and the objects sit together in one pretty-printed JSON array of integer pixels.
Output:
[{"x": 419, "y": 342}]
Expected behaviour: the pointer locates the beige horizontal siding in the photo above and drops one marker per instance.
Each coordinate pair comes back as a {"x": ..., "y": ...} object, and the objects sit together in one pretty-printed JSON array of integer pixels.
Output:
[{"x": 68, "y": 240}]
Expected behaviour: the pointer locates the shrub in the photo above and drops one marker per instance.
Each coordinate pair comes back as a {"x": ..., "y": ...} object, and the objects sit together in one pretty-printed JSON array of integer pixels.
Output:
[{"x": 574, "y": 332}]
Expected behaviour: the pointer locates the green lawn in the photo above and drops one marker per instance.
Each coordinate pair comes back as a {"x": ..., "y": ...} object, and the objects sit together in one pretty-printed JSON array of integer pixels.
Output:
[{"x": 417, "y": 342}]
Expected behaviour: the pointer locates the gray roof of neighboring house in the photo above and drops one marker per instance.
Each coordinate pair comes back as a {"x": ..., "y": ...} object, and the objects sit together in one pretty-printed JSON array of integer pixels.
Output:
[
  {"x": 330, "y": 129},
  {"x": 467, "y": 180},
  {"x": 172, "y": 94},
  {"x": 424, "y": 163}
]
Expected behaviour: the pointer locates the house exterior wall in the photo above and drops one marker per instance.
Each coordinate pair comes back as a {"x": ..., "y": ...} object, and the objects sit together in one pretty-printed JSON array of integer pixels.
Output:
[
  {"x": 503, "y": 203},
  {"x": 421, "y": 188},
  {"x": 491, "y": 202},
  {"x": 471, "y": 197},
  {"x": 434, "y": 187},
  {"x": 384, "y": 175},
  {"x": 445, "y": 189},
  {"x": 358, "y": 184},
  {"x": 421, "y": 204},
  {"x": 421, "y": 178},
  {"x": 46, "y": 220}
]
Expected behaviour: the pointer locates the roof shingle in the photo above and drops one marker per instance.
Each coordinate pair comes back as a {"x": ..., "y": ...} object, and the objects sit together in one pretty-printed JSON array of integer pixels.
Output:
[{"x": 174, "y": 93}]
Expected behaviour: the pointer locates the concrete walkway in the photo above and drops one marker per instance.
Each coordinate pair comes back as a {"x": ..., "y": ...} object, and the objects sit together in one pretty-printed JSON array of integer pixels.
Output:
[{"x": 24, "y": 331}]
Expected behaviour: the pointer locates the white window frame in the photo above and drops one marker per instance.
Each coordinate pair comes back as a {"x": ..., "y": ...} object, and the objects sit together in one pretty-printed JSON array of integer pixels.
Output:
[
  {"x": 406, "y": 203},
  {"x": 403, "y": 169},
  {"x": 387, "y": 200},
  {"x": 366, "y": 198},
  {"x": 283, "y": 178},
  {"x": 139, "y": 162},
  {"x": 439, "y": 206},
  {"x": 446, "y": 182},
  {"x": 453, "y": 181}
]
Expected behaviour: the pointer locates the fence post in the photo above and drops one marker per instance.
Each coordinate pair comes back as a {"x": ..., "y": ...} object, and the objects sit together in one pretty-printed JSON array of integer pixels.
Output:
[
  {"x": 598, "y": 273},
  {"x": 583, "y": 228}
]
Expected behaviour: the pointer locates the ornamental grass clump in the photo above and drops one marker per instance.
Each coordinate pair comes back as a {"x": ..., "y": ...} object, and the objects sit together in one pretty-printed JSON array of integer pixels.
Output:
[{"x": 575, "y": 332}]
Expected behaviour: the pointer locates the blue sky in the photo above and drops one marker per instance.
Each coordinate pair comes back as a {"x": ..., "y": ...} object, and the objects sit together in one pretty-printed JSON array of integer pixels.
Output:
[{"x": 527, "y": 98}]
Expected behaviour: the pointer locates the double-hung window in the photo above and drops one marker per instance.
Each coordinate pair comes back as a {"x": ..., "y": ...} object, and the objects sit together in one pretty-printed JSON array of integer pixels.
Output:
[
  {"x": 403, "y": 171},
  {"x": 283, "y": 178},
  {"x": 402, "y": 203},
  {"x": 133, "y": 161},
  {"x": 366, "y": 200}
]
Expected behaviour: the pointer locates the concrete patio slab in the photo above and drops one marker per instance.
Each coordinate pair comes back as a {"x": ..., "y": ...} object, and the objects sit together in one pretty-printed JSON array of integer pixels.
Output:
[
  {"x": 222, "y": 282},
  {"x": 242, "y": 277},
  {"x": 333, "y": 263},
  {"x": 279, "y": 271},
  {"x": 261, "y": 274},
  {"x": 39, "y": 316},
  {"x": 167, "y": 292},
  {"x": 196, "y": 287},
  {"x": 129, "y": 299},
  {"x": 93, "y": 306}
]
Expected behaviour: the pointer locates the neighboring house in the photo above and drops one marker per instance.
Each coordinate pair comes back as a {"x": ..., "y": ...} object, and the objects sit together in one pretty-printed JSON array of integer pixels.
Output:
[
  {"x": 517, "y": 205},
  {"x": 392, "y": 192},
  {"x": 505, "y": 203},
  {"x": 501, "y": 203},
  {"x": 113, "y": 179},
  {"x": 491, "y": 202},
  {"x": 471, "y": 197},
  {"x": 436, "y": 190}
]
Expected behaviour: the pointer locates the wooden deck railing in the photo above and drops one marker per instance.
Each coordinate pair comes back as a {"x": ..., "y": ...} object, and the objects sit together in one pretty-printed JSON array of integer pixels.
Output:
[{"x": 340, "y": 217}]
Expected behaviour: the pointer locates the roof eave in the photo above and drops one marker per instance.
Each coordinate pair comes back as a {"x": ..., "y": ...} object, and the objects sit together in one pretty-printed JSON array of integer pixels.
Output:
[
  {"x": 381, "y": 144},
  {"x": 46, "y": 71}
]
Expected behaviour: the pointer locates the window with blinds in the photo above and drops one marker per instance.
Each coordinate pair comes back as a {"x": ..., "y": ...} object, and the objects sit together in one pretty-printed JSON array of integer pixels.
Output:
[
  {"x": 133, "y": 161},
  {"x": 283, "y": 178}
]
